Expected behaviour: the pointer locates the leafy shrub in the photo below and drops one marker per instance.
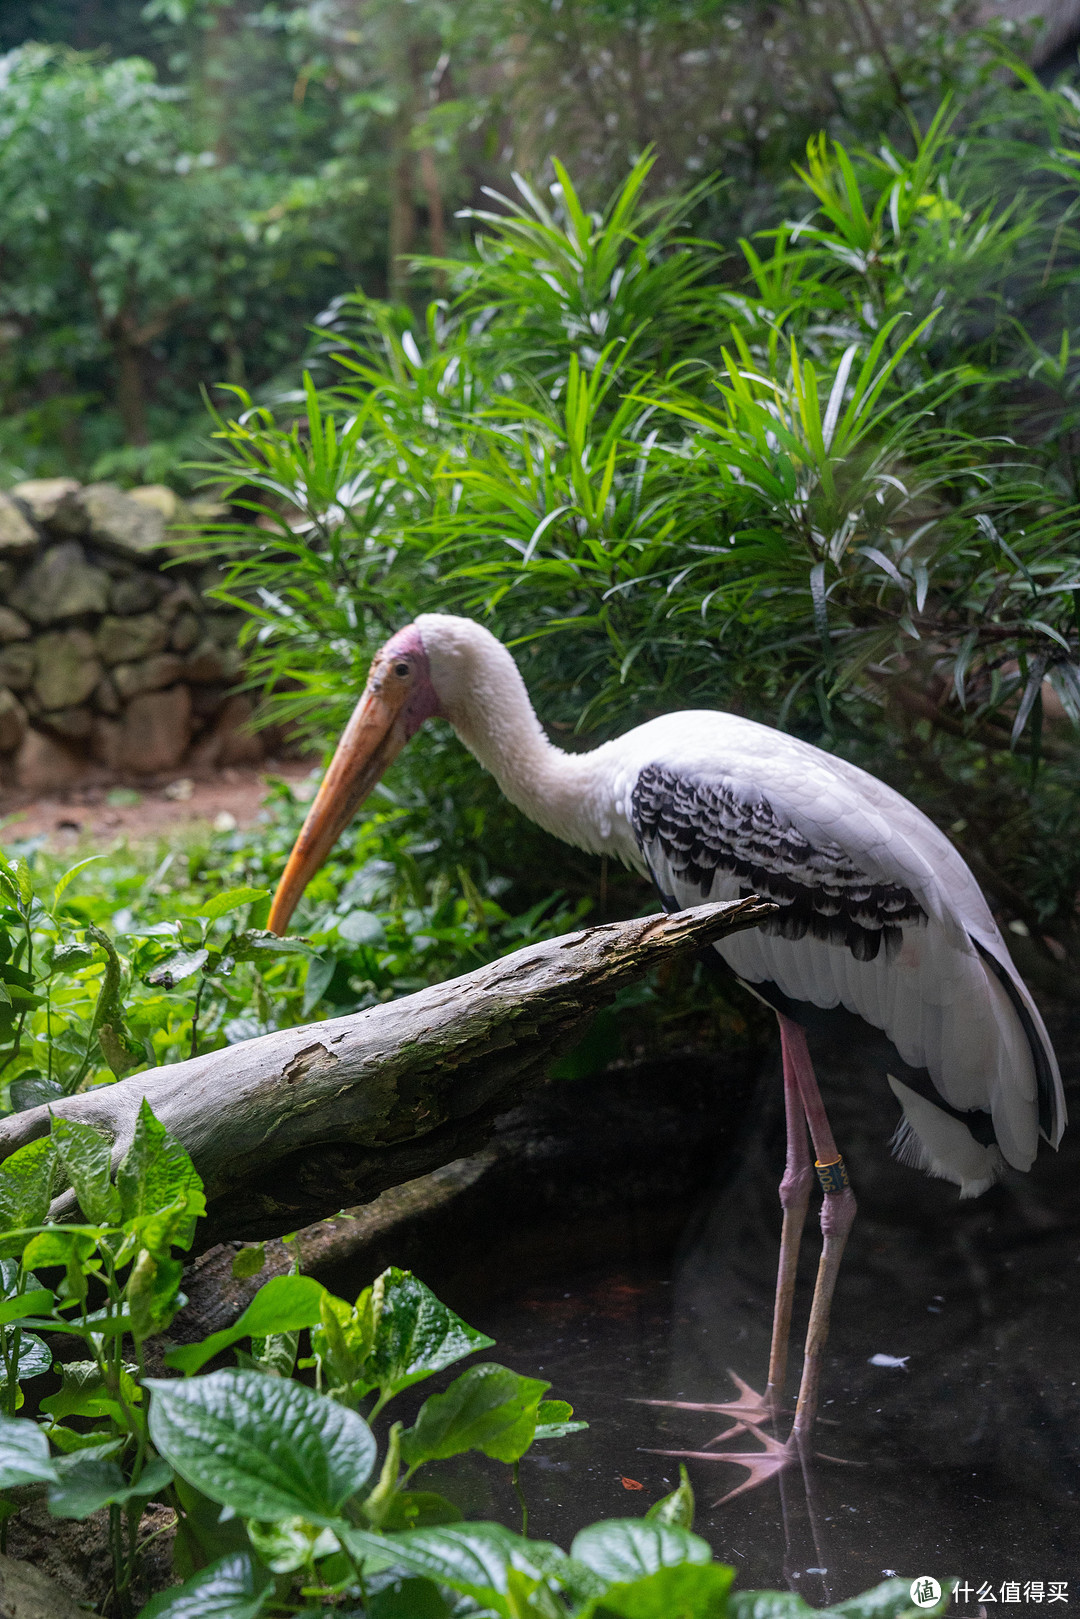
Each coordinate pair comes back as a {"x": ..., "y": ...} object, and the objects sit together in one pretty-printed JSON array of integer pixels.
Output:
[
  {"x": 123, "y": 962},
  {"x": 281, "y": 1502},
  {"x": 834, "y": 488}
]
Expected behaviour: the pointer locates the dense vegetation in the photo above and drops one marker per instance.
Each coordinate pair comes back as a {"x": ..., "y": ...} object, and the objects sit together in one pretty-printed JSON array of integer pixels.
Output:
[{"x": 281, "y": 1503}]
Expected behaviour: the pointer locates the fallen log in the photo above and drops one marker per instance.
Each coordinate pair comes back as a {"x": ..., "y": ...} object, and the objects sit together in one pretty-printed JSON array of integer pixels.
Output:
[{"x": 293, "y": 1126}]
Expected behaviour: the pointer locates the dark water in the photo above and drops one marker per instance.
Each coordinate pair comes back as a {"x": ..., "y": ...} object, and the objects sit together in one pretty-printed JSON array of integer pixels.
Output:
[{"x": 964, "y": 1462}]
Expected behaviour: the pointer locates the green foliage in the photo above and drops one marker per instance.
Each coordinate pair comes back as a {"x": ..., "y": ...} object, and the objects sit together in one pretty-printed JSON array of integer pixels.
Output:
[
  {"x": 807, "y": 492},
  {"x": 146, "y": 957}
]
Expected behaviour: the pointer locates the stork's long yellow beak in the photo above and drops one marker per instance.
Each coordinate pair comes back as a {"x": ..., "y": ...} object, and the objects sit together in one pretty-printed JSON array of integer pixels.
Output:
[{"x": 397, "y": 699}]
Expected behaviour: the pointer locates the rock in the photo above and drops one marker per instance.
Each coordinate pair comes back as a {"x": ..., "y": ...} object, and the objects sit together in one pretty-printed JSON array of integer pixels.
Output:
[
  {"x": 160, "y": 498},
  {"x": 126, "y": 640},
  {"x": 211, "y": 578},
  {"x": 106, "y": 698},
  {"x": 43, "y": 764},
  {"x": 18, "y": 536},
  {"x": 155, "y": 731},
  {"x": 230, "y": 743},
  {"x": 17, "y": 665},
  {"x": 209, "y": 662},
  {"x": 134, "y": 593},
  {"x": 150, "y": 675},
  {"x": 28, "y": 1593},
  {"x": 119, "y": 524},
  {"x": 185, "y": 633},
  {"x": 12, "y": 721},
  {"x": 13, "y": 627},
  {"x": 107, "y": 742},
  {"x": 61, "y": 584},
  {"x": 72, "y": 724},
  {"x": 66, "y": 668},
  {"x": 178, "y": 600},
  {"x": 206, "y": 700},
  {"x": 50, "y": 498},
  {"x": 7, "y": 580}
]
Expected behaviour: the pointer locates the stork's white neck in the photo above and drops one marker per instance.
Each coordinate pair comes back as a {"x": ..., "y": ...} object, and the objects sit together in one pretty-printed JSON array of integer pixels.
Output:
[{"x": 484, "y": 697}]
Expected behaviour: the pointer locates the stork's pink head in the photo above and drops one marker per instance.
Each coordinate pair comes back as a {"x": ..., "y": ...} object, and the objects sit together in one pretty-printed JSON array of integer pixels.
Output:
[{"x": 398, "y": 698}]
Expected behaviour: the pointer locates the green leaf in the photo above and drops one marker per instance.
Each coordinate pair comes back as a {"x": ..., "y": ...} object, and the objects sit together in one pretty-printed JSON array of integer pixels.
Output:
[
  {"x": 771, "y": 1605},
  {"x": 117, "y": 1047},
  {"x": 152, "y": 1293},
  {"x": 408, "y": 1599},
  {"x": 59, "y": 1245},
  {"x": 83, "y": 1392},
  {"x": 256, "y": 943},
  {"x": 290, "y": 1544},
  {"x": 26, "y": 1185},
  {"x": 553, "y": 1420},
  {"x": 283, "y": 1304},
  {"x": 33, "y": 1091},
  {"x": 890, "y": 1600},
  {"x": 32, "y": 1302},
  {"x": 691, "y": 1591},
  {"x": 70, "y": 958},
  {"x": 418, "y": 1509},
  {"x": 473, "y": 1558},
  {"x": 487, "y": 1408},
  {"x": 268, "y": 1448},
  {"x": 249, "y": 1261},
  {"x": 158, "y": 1177},
  {"x": 415, "y": 1334},
  {"x": 24, "y": 1454},
  {"x": 69, "y": 876},
  {"x": 86, "y": 1156},
  {"x": 362, "y": 927},
  {"x": 678, "y": 1507},
  {"x": 175, "y": 968},
  {"x": 35, "y": 1357},
  {"x": 231, "y": 900},
  {"x": 201, "y": 1535},
  {"x": 625, "y": 1549},
  {"x": 235, "y": 1587},
  {"x": 87, "y": 1483}
]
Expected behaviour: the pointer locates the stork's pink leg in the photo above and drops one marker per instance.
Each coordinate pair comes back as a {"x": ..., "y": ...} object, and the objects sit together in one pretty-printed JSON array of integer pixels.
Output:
[
  {"x": 795, "y": 1188},
  {"x": 837, "y": 1214}
]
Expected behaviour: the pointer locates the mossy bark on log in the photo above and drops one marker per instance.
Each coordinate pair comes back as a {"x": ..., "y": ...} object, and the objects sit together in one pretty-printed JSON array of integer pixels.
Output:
[{"x": 295, "y": 1125}]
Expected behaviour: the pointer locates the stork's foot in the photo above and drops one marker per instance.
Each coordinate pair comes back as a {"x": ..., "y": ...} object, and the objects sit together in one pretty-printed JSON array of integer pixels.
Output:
[
  {"x": 761, "y": 1465},
  {"x": 749, "y": 1411}
]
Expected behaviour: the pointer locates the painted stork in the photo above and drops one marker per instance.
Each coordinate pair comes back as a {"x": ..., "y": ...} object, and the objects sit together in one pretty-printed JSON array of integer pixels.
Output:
[{"x": 878, "y": 914}]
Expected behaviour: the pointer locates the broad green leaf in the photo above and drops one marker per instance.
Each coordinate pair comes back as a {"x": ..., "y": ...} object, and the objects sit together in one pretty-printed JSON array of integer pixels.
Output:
[
  {"x": 34, "y": 1091},
  {"x": 35, "y": 1357},
  {"x": 60, "y": 1245},
  {"x": 678, "y": 1507},
  {"x": 418, "y": 1509},
  {"x": 283, "y": 1304},
  {"x": 770, "y": 1605},
  {"x": 487, "y": 1408},
  {"x": 32, "y": 1302},
  {"x": 176, "y": 968},
  {"x": 157, "y": 1175},
  {"x": 553, "y": 1420},
  {"x": 205, "y": 1532},
  {"x": 152, "y": 1292},
  {"x": 70, "y": 958},
  {"x": 268, "y": 1448},
  {"x": 690, "y": 1591},
  {"x": 249, "y": 1261},
  {"x": 254, "y": 944},
  {"x": 408, "y": 1599},
  {"x": 83, "y": 1392},
  {"x": 86, "y": 1156},
  {"x": 290, "y": 1544},
  {"x": 362, "y": 927},
  {"x": 890, "y": 1600},
  {"x": 626, "y": 1549},
  {"x": 24, "y": 1454},
  {"x": 473, "y": 1558},
  {"x": 87, "y": 1483},
  {"x": 230, "y": 900},
  {"x": 26, "y": 1186},
  {"x": 415, "y": 1334},
  {"x": 235, "y": 1587}
]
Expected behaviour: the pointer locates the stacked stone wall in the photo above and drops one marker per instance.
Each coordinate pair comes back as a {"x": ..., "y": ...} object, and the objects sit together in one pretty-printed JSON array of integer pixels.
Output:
[{"x": 114, "y": 662}]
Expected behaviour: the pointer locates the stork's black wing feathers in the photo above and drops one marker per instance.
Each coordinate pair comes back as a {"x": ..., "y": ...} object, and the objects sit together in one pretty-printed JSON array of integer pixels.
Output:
[{"x": 705, "y": 827}]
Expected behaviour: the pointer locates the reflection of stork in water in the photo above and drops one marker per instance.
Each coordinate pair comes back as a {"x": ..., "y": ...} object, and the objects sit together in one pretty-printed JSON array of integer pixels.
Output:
[{"x": 878, "y": 914}]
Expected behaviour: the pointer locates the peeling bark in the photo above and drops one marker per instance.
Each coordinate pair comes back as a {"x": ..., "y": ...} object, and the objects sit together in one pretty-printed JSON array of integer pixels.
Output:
[{"x": 296, "y": 1125}]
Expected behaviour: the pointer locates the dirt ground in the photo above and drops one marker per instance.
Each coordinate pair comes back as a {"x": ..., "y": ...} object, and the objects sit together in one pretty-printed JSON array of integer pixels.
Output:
[{"x": 229, "y": 798}]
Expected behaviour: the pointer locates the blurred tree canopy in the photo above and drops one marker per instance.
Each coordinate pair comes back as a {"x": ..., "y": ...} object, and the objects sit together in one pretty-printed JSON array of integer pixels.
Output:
[{"x": 187, "y": 185}]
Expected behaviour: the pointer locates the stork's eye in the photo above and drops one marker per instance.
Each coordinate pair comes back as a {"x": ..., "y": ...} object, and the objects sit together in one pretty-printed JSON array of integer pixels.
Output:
[{"x": 401, "y": 669}]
